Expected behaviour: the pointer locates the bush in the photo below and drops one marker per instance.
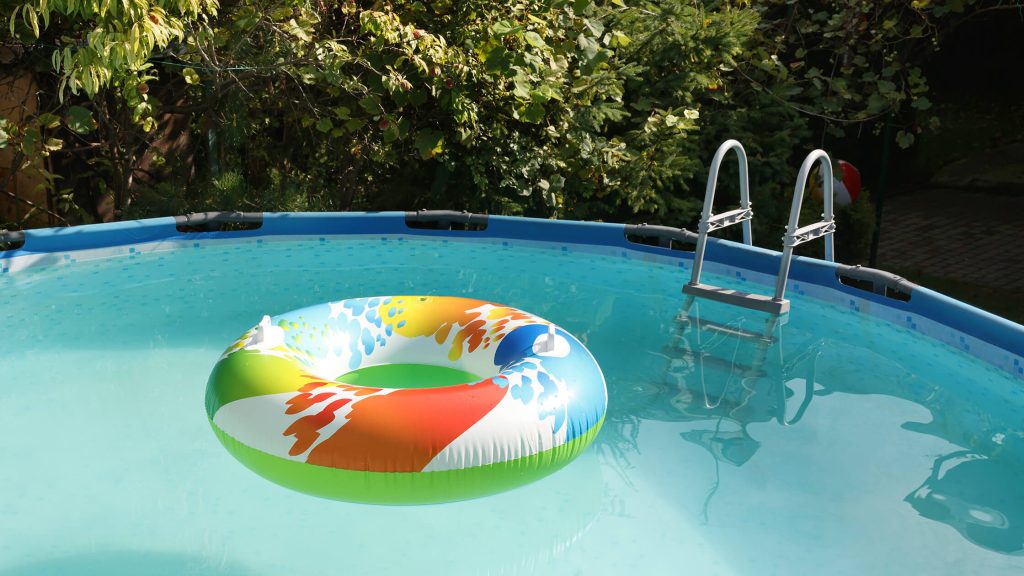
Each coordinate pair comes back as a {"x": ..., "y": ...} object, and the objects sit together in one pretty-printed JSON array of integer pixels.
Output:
[{"x": 576, "y": 109}]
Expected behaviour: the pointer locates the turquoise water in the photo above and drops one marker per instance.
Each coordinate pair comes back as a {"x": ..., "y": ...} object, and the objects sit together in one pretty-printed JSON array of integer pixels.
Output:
[{"x": 845, "y": 446}]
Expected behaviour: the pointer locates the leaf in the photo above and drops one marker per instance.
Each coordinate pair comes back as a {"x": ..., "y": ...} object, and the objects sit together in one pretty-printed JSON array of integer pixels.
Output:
[
  {"x": 14, "y": 18},
  {"x": 191, "y": 76},
  {"x": 580, "y": 5},
  {"x": 589, "y": 46},
  {"x": 79, "y": 120},
  {"x": 371, "y": 104},
  {"x": 29, "y": 14},
  {"x": 498, "y": 60},
  {"x": 877, "y": 104},
  {"x": 324, "y": 124},
  {"x": 886, "y": 87},
  {"x": 298, "y": 31},
  {"x": 49, "y": 120},
  {"x": 521, "y": 90},
  {"x": 533, "y": 113},
  {"x": 430, "y": 143},
  {"x": 543, "y": 93},
  {"x": 535, "y": 40},
  {"x": 504, "y": 28},
  {"x": 904, "y": 139},
  {"x": 595, "y": 26},
  {"x": 28, "y": 141},
  {"x": 921, "y": 103}
]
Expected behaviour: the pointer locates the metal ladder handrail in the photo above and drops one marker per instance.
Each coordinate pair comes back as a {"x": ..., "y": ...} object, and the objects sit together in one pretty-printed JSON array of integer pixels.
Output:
[
  {"x": 795, "y": 236},
  {"x": 709, "y": 221}
]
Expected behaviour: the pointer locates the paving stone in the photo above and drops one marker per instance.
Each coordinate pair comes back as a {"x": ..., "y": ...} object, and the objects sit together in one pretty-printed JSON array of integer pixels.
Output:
[{"x": 969, "y": 236}]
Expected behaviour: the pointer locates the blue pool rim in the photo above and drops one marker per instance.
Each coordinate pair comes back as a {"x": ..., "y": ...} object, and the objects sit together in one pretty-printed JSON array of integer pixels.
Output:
[{"x": 963, "y": 318}]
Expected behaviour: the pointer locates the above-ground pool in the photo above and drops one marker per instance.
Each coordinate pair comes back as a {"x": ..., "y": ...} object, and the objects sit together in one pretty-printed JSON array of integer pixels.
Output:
[{"x": 861, "y": 434}]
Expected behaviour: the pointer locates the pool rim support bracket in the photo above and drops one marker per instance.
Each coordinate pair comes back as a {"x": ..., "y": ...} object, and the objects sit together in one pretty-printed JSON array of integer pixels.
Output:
[
  {"x": 881, "y": 282},
  {"x": 665, "y": 235},
  {"x": 445, "y": 219},
  {"x": 210, "y": 221},
  {"x": 16, "y": 237}
]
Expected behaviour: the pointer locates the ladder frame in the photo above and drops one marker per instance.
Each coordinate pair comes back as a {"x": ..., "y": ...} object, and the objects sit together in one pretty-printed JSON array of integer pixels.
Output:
[
  {"x": 710, "y": 221},
  {"x": 795, "y": 235},
  {"x": 823, "y": 228}
]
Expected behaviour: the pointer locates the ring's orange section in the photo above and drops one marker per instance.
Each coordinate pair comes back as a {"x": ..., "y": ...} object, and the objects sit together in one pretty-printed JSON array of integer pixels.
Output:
[{"x": 404, "y": 430}]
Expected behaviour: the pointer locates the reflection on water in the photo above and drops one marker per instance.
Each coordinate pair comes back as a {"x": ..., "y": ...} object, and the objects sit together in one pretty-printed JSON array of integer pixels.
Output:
[
  {"x": 726, "y": 375},
  {"x": 723, "y": 376},
  {"x": 981, "y": 498}
]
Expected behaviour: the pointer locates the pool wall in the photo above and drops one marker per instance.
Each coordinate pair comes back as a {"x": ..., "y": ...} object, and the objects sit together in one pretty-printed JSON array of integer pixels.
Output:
[{"x": 995, "y": 340}]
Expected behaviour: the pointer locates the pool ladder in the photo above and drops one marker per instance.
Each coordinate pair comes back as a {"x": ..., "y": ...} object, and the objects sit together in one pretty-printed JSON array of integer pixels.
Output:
[{"x": 776, "y": 304}]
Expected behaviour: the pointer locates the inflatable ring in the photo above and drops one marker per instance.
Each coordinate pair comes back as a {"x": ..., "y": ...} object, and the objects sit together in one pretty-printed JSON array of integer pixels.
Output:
[{"x": 405, "y": 399}]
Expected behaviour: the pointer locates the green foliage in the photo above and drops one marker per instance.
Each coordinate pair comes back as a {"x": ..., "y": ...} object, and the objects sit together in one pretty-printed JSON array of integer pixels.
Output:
[
  {"x": 100, "y": 43},
  {"x": 578, "y": 109},
  {"x": 851, "y": 62}
]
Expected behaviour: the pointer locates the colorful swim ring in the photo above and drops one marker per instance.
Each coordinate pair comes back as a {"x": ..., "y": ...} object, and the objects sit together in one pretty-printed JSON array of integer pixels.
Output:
[{"x": 405, "y": 399}]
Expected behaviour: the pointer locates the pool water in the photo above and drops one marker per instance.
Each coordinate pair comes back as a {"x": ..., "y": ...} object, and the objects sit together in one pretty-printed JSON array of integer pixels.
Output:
[{"x": 834, "y": 442}]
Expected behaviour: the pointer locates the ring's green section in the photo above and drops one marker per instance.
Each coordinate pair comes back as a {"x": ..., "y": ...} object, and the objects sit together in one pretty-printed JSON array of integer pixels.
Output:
[
  {"x": 244, "y": 374},
  {"x": 405, "y": 487},
  {"x": 407, "y": 376}
]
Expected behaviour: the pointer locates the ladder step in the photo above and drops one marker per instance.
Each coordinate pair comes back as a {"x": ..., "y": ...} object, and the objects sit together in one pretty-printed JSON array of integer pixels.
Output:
[
  {"x": 810, "y": 232},
  {"x": 736, "y": 332},
  {"x": 729, "y": 218},
  {"x": 749, "y": 300}
]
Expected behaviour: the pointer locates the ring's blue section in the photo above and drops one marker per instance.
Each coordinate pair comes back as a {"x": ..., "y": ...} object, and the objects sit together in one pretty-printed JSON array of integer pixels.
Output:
[
  {"x": 587, "y": 398},
  {"x": 923, "y": 302}
]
